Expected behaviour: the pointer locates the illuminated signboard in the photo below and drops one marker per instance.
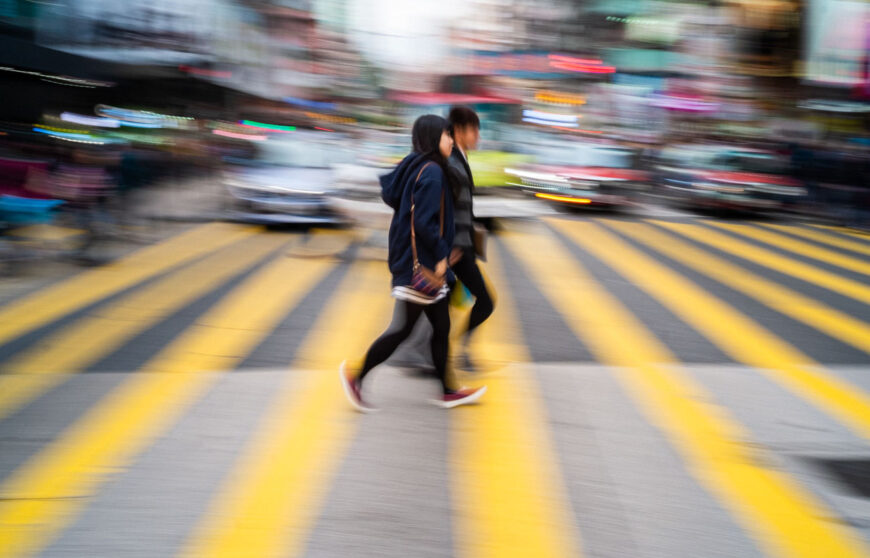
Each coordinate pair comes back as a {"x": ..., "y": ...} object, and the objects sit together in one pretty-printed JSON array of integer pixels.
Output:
[{"x": 836, "y": 41}]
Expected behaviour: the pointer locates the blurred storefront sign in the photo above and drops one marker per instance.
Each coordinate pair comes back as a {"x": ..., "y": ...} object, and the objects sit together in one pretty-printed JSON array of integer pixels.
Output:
[
  {"x": 662, "y": 29},
  {"x": 532, "y": 65},
  {"x": 837, "y": 41},
  {"x": 213, "y": 40},
  {"x": 643, "y": 60},
  {"x": 448, "y": 99}
]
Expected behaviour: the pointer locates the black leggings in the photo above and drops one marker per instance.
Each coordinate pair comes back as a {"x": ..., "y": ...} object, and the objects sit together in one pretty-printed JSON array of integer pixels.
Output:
[
  {"x": 467, "y": 271},
  {"x": 405, "y": 316}
]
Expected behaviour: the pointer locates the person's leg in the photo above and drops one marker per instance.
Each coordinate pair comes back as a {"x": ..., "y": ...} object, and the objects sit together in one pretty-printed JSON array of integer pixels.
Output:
[
  {"x": 405, "y": 316},
  {"x": 439, "y": 317},
  {"x": 414, "y": 353},
  {"x": 467, "y": 271}
]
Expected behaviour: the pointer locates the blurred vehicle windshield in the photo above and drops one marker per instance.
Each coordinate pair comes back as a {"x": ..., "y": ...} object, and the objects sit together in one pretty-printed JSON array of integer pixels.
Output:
[
  {"x": 724, "y": 159},
  {"x": 303, "y": 152}
]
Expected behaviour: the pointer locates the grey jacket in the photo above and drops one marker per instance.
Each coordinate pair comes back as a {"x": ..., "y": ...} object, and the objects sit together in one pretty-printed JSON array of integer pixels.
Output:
[{"x": 462, "y": 185}]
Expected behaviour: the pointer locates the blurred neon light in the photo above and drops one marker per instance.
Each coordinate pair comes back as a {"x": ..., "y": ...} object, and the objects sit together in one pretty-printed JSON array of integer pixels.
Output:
[
  {"x": 63, "y": 80},
  {"x": 583, "y": 65},
  {"x": 46, "y": 128},
  {"x": 550, "y": 116},
  {"x": 63, "y": 134},
  {"x": 68, "y": 136},
  {"x": 578, "y": 130},
  {"x": 132, "y": 124},
  {"x": 151, "y": 119},
  {"x": 559, "y": 98},
  {"x": 573, "y": 60},
  {"x": 320, "y": 105},
  {"x": 323, "y": 129},
  {"x": 687, "y": 104},
  {"x": 120, "y": 113},
  {"x": 586, "y": 69},
  {"x": 330, "y": 118},
  {"x": 550, "y": 123},
  {"x": 566, "y": 199},
  {"x": 141, "y": 138},
  {"x": 84, "y": 120},
  {"x": 235, "y": 135},
  {"x": 68, "y": 83},
  {"x": 78, "y": 140},
  {"x": 270, "y": 127}
]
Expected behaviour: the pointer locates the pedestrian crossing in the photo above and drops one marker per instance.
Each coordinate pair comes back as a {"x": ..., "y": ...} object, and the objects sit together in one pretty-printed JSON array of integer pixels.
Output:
[
  {"x": 526, "y": 512},
  {"x": 784, "y": 306}
]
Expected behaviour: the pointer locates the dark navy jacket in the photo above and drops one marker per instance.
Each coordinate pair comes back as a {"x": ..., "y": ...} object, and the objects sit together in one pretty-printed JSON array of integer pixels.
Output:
[{"x": 396, "y": 190}]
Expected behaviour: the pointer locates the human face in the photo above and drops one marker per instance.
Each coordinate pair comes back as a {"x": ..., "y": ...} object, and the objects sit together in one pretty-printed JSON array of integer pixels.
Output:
[
  {"x": 467, "y": 137},
  {"x": 446, "y": 144}
]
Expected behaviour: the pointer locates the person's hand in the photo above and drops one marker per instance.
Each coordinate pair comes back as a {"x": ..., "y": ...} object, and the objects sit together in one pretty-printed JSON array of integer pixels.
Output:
[
  {"x": 455, "y": 255},
  {"x": 441, "y": 268}
]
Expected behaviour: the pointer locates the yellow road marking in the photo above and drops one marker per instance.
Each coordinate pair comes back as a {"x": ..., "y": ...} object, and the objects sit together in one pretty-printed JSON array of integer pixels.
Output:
[
  {"x": 736, "y": 334},
  {"x": 786, "y": 520},
  {"x": 274, "y": 494},
  {"x": 772, "y": 260},
  {"x": 818, "y": 236},
  {"x": 52, "y": 360},
  {"x": 508, "y": 486},
  {"x": 43, "y": 496},
  {"x": 46, "y": 232},
  {"x": 42, "y": 307},
  {"x": 838, "y": 325},
  {"x": 856, "y": 233},
  {"x": 796, "y": 246}
]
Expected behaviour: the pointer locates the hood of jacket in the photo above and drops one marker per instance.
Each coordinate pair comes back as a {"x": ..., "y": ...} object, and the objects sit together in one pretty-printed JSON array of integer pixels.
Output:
[{"x": 394, "y": 184}]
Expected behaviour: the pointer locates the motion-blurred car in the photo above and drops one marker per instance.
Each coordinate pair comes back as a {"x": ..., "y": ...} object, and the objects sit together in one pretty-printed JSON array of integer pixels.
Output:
[
  {"x": 583, "y": 175},
  {"x": 727, "y": 177},
  {"x": 289, "y": 181},
  {"x": 488, "y": 166},
  {"x": 357, "y": 192}
]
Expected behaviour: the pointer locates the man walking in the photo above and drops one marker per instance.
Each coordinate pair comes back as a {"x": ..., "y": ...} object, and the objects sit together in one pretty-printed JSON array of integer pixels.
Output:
[{"x": 463, "y": 260}]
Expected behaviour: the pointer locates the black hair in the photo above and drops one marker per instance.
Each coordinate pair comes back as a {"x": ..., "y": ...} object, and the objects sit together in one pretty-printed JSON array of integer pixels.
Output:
[
  {"x": 426, "y": 137},
  {"x": 463, "y": 116}
]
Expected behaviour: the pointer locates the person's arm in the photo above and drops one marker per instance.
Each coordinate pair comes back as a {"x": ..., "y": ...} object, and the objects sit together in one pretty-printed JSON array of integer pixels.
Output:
[{"x": 427, "y": 208}]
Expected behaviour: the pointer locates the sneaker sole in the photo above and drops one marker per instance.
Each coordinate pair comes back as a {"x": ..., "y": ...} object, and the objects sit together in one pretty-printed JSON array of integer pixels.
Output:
[
  {"x": 348, "y": 393},
  {"x": 464, "y": 401}
]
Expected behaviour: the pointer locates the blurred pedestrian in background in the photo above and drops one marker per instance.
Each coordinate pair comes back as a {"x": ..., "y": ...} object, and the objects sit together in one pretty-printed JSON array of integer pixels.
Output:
[
  {"x": 420, "y": 242},
  {"x": 467, "y": 243}
]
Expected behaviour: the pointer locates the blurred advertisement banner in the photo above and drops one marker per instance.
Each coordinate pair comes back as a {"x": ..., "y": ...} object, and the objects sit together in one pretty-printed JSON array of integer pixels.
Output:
[{"x": 836, "y": 41}]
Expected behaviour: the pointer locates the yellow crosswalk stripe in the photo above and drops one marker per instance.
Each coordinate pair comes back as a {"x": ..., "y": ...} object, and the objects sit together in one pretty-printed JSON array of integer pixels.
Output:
[
  {"x": 739, "y": 336},
  {"x": 855, "y": 233},
  {"x": 273, "y": 496},
  {"x": 771, "y": 260},
  {"x": 509, "y": 498},
  {"x": 44, "y": 495},
  {"x": 838, "y": 325},
  {"x": 49, "y": 304},
  {"x": 52, "y": 360},
  {"x": 786, "y": 520},
  {"x": 796, "y": 246},
  {"x": 818, "y": 236}
]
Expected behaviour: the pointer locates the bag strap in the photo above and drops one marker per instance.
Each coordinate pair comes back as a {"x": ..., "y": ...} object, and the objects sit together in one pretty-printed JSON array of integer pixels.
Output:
[{"x": 441, "y": 218}]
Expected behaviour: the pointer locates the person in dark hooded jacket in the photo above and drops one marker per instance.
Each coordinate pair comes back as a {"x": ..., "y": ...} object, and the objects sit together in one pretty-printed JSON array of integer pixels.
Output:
[{"x": 418, "y": 183}]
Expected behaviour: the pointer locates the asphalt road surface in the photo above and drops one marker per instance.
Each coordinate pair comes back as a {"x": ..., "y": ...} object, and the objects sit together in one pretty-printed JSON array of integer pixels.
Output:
[{"x": 659, "y": 386}]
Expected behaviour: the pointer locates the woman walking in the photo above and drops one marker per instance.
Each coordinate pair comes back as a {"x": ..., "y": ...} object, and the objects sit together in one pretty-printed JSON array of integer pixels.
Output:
[{"x": 420, "y": 241}]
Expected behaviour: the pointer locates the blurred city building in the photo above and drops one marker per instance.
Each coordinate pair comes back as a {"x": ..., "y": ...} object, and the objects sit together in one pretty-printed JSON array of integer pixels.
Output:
[{"x": 188, "y": 84}]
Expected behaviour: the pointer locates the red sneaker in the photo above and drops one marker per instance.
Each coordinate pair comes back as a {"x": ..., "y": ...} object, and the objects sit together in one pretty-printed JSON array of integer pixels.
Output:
[
  {"x": 353, "y": 391},
  {"x": 462, "y": 396}
]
